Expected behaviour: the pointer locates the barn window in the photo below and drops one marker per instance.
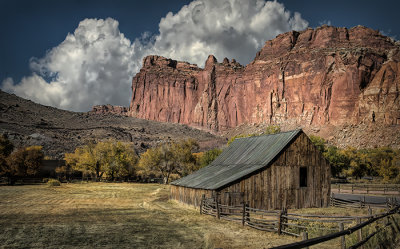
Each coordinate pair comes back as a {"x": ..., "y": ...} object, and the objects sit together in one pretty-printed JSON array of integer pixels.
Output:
[{"x": 303, "y": 176}]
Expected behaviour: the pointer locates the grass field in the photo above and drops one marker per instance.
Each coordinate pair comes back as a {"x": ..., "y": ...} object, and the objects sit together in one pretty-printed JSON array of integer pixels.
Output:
[{"x": 116, "y": 215}]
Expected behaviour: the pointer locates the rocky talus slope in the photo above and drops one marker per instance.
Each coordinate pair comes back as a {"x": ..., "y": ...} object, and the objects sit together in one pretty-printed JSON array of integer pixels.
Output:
[{"x": 58, "y": 131}]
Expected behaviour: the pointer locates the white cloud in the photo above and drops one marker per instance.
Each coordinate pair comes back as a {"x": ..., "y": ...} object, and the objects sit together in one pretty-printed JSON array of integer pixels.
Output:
[
  {"x": 96, "y": 63},
  {"x": 325, "y": 22},
  {"x": 234, "y": 29}
]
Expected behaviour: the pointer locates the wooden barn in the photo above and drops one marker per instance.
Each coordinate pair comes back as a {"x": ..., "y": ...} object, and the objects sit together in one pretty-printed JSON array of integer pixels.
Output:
[{"x": 283, "y": 170}]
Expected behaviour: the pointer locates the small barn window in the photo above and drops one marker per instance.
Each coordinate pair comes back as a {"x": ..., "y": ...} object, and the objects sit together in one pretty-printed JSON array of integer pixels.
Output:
[{"x": 303, "y": 176}]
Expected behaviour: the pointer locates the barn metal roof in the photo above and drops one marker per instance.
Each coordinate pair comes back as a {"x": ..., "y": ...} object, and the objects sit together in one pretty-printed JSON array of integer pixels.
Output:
[{"x": 243, "y": 157}]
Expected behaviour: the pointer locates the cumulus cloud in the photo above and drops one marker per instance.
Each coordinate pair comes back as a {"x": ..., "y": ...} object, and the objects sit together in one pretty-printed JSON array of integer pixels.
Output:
[
  {"x": 96, "y": 63},
  {"x": 232, "y": 28}
]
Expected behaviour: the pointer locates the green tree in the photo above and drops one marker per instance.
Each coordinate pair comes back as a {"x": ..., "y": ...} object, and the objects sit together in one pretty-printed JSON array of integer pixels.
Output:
[
  {"x": 170, "y": 158},
  {"x": 337, "y": 160},
  {"x": 208, "y": 157},
  {"x": 272, "y": 129},
  {"x": 184, "y": 160},
  {"x": 238, "y": 136},
  {"x": 158, "y": 160},
  {"x": 319, "y": 142},
  {"x": 116, "y": 159}
]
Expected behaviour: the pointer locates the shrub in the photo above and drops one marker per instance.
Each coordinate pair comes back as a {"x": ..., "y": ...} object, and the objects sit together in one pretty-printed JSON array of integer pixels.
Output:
[{"x": 53, "y": 182}]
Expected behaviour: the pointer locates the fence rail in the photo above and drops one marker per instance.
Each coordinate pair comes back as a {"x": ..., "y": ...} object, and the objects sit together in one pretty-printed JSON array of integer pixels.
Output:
[
  {"x": 367, "y": 188},
  {"x": 389, "y": 202},
  {"x": 295, "y": 224}
]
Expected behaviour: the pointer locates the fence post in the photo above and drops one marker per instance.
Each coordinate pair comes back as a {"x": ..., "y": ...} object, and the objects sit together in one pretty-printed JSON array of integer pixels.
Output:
[
  {"x": 359, "y": 232},
  {"x": 284, "y": 219},
  {"x": 333, "y": 199},
  {"x": 395, "y": 224},
  {"x": 369, "y": 210},
  {"x": 361, "y": 204},
  {"x": 364, "y": 201},
  {"x": 339, "y": 188},
  {"x": 217, "y": 206},
  {"x": 304, "y": 236},
  {"x": 248, "y": 213},
  {"x": 244, "y": 213},
  {"x": 387, "y": 205},
  {"x": 352, "y": 188},
  {"x": 280, "y": 222},
  {"x": 342, "y": 238},
  {"x": 203, "y": 196}
]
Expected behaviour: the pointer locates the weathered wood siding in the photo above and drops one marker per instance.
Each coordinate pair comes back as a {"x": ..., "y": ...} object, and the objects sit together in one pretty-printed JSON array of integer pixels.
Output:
[
  {"x": 278, "y": 186},
  {"x": 189, "y": 196}
]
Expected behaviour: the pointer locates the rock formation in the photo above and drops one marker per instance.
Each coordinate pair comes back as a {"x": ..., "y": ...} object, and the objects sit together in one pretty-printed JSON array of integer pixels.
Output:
[
  {"x": 109, "y": 109},
  {"x": 313, "y": 78}
]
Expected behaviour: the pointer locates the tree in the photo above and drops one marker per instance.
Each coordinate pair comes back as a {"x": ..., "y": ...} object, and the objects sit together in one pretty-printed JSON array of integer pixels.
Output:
[
  {"x": 272, "y": 129},
  {"x": 25, "y": 162},
  {"x": 337, "y": 160},
  {"x": 115, "y": 159},
  {"x": 182, "y": 153},
  {"x": 208, "y": 157},
  {"x": 170, "y": 158},
  {"x": 319, "y": 142},
  {"x": 238, "y": 136},
  {"x": 6, "y": 147}
]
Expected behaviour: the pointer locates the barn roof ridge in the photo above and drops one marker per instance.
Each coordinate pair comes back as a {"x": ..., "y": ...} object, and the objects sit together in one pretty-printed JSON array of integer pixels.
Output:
[
  {"x": 243, "y": 157},
  {"x": 263, "y": 135}
]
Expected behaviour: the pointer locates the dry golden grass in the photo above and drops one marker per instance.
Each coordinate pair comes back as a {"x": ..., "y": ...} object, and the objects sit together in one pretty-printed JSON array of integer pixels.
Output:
[{"x": 116, "y": 215}]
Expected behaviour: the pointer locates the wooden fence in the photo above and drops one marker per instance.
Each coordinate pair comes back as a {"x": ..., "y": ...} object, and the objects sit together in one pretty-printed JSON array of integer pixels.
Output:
[
  {"x": 292, "y": 224},
  {"x": 389, "y": 202},
  {"x": 386, "y": 189}
]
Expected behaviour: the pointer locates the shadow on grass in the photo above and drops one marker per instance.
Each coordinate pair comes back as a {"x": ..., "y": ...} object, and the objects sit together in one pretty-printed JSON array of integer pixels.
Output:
[{"x": 110, "y": 228}]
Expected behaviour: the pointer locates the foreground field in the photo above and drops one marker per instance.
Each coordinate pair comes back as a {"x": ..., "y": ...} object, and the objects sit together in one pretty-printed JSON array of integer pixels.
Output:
[{"x": 120, "y": 215}]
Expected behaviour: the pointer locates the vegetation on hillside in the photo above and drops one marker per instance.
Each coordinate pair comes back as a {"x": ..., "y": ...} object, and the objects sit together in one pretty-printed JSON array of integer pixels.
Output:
[
  {"x": 271, "y": 129},
  {"x": 351, "y": 162}
]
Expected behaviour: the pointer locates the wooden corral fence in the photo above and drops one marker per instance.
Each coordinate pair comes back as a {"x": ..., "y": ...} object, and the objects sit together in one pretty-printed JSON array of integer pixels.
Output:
[
  {"x": 297, "y": 225},
  {"x": 386, "y": 189},
  {"x": 390, "y": 202}
]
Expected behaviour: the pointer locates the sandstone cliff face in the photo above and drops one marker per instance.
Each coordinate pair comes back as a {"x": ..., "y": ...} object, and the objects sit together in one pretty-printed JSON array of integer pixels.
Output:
[{"x": 317, "y": 77}]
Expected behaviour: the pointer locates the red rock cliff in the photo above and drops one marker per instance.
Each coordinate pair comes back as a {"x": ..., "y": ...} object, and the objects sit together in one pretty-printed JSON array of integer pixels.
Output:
[{"x": 316, "y": 77}]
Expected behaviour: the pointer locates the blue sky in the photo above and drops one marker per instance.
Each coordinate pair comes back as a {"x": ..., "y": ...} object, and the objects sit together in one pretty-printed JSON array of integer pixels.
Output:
[{"x": 34, "y": 39}]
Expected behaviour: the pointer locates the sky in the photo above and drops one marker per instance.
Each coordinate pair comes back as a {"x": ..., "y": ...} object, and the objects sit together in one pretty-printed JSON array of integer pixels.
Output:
[{"x": 73, "y": 54}]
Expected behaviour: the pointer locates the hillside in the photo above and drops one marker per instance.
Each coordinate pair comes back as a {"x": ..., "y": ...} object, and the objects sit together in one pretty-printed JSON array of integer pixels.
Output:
[{"x": 59, "y": 131}]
